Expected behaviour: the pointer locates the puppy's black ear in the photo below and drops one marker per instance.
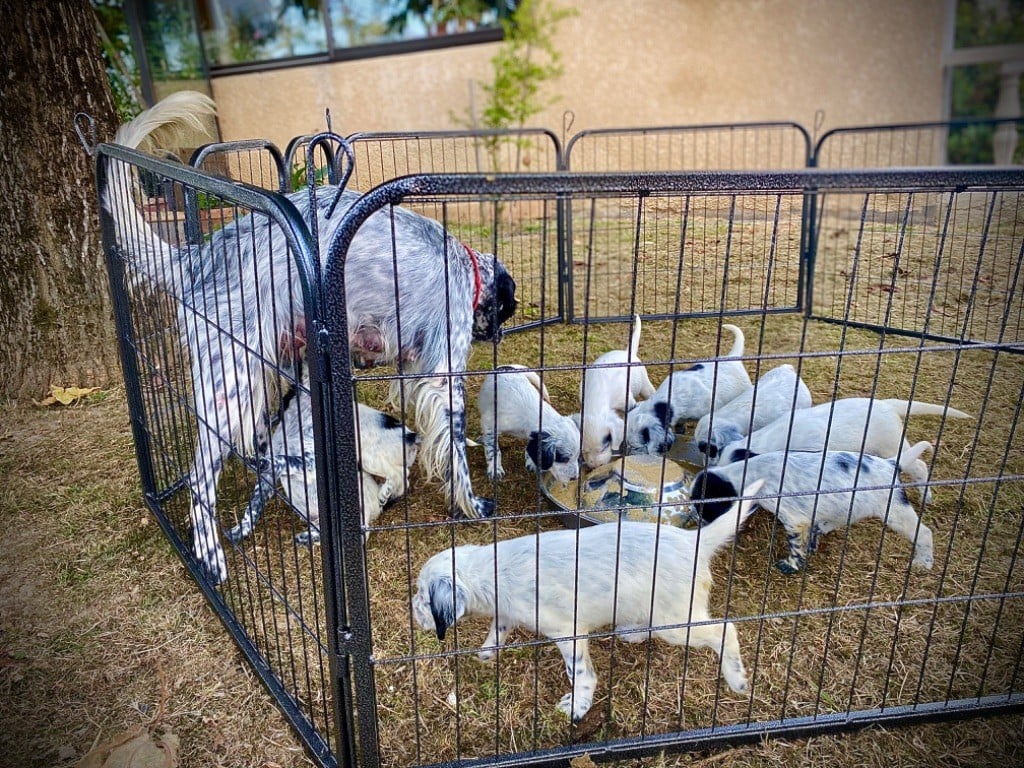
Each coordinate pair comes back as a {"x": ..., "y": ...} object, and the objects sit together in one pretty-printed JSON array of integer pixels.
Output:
[
  {"x": 740, "y": 454},
  {"x": 539, "y": 449},
  {"x": 663, "y": 413},
  {"x": 709, "y": 489},
  {"x": 447, "y": 604}
]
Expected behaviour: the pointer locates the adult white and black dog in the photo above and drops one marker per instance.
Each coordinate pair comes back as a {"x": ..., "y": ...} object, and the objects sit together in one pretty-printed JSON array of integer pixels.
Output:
[
  {"x": 386, "y": 449},
  {"x": 612, "y": 384},
  {"x": 645, "y": 579},
  {"x": 777, "y": 392},
  {"x": 858, "y": 424},
  {"x": 241, "y": 314},
  {"x": 812, "y": 494},
  {"x": 687, "y": 394},
  {"x": 513, "y": 401}
]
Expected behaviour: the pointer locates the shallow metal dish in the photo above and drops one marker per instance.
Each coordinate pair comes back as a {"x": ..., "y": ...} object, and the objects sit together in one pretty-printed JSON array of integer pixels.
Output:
[{"x": 627, "y": 488}]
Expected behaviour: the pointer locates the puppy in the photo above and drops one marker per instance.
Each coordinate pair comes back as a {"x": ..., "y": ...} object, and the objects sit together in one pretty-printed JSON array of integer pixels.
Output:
[
  {"x": 513, "y": 401},
  {"x": 684, "y": 395},
  {"x": 777, "y": 392},
  {"x": 606, "y": 390},
  {"x": 243, "y": 284},
  {"x": 386, "y": 450},
  {"x": 646, "y": 579},
  {"x": 858, "y": 424},
  {"x": 812, "y": 494}
]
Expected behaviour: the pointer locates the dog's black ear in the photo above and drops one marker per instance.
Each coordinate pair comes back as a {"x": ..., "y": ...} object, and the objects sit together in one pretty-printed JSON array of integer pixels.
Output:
[
  {"x": 740, "y": 454},
  {"x": 663, "y": 413},
  {"x": 505, "y": 294},
  {"x": 447, "y": 604},
  {"x": 709, "y": 489},
  {"x": 539, "y": 449}
]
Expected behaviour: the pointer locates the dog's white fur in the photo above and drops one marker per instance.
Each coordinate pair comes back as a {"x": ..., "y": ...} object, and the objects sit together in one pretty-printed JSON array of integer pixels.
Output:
[
  {"x": 387, "y": 449},
  {"x": 646, "y": 579},
  {"x": 812, "y": 494},
  {"x": 686, "y": 395},
  {"x": 607, "y": 389},
  {"x": 514, "y": 401},
  {"x": 777, "y": 392},
  {"x": 859, "y": 424}
]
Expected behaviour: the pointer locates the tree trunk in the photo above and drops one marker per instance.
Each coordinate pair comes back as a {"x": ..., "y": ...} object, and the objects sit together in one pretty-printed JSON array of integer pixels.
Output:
[{"x": 56, "y": 323}]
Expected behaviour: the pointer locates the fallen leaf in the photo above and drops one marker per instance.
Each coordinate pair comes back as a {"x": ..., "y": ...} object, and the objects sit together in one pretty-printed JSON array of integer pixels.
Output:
[
  {"x": 65, "y": 395},
  {"x": 134, "y": 748}
]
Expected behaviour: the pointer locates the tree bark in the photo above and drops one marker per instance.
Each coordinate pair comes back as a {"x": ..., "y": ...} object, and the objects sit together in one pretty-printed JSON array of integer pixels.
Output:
[{"x": 56, "y": 323}]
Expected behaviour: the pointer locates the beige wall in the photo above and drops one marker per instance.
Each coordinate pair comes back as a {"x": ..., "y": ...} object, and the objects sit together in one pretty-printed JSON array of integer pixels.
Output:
[{"x": 639, "y": 62}]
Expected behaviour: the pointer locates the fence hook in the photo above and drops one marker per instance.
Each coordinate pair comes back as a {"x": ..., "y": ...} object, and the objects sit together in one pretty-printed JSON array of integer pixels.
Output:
[
  {"x": 568, "y": 120},
  {"x": 83, "y": 122}
]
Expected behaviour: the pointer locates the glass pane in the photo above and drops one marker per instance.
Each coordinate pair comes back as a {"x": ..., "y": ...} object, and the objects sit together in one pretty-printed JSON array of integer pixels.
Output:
[
  {"x": 244, "y": 31},
  {"x": 369, "y": 22},
  {"x": 989, "y": 22}
]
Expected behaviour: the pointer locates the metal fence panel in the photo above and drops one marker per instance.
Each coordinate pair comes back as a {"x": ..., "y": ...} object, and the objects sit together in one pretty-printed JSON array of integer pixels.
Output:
[
  {"x": 906, "y": 145},
  {"x": 278, "y": 602},
  {"x": 871, "y": 628}
]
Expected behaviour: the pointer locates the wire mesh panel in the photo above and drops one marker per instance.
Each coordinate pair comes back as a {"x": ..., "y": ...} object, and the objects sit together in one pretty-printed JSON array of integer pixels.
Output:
[
  {"x": 694, "y": 236},
  {"x": 205, "y": 385},
  {"x": 721, "y": 147},
  {"x": 943, "y": 265},
  {"x": 857, "y": 601},
  {"x": 957, "y": 142},
  {"x": 381, "y": 157},
  {"x": 253, "y": 161}
]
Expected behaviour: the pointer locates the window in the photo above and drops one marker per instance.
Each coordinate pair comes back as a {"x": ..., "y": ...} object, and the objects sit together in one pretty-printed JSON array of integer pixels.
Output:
[{"x": 241, "y": 33}]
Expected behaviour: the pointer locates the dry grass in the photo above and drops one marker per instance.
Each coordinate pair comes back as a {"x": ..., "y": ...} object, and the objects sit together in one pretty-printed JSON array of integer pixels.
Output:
[{"x": 100, "y": 621}]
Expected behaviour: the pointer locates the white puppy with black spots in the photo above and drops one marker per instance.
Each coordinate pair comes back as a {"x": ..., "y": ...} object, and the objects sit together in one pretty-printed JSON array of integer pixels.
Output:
[
  {"x": 811, "y": 494},
  {"x": 514, "y": 401},
  {"x": 386, "y": 450},
  {"x": 685, "y": 395},
  {"x": 859, "y": 424},
  {"x": 607, "y": 389},
  {"x": 777, "y": 392},
  {"x": 645, "y": 579}
]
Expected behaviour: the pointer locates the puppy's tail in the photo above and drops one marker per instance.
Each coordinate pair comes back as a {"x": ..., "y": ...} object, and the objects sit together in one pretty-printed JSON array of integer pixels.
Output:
[
  {"x": 911, "y": 455},
  {"x": 154, "y": 259},
  {"x": 722, "y": 530},
  {"x": 634, "y": 340},
  {"x": 917, "y": 408},
  {"x": 533, "y": 378},
  {"x": 738, "y": 341}
]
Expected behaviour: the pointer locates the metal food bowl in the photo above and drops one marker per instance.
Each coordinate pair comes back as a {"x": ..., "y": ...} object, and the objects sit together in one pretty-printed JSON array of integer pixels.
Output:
[{"x": 627, "y": 488}]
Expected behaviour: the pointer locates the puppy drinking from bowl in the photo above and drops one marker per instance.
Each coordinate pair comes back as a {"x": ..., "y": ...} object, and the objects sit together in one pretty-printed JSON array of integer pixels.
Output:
[
  {"x": 777, "y": 392},
  {"x": 811, "y": 494},
  {"x": 687, "y": 394},
  {"x": 514, "y": 401},
  {"x": 606, "y": 390}
]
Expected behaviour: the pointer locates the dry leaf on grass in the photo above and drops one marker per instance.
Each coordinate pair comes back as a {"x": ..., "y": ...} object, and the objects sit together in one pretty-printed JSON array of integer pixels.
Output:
[
  {"x": 583, "y": 761},
  {"x": 136, "y": 747},
  {"x": 65, "y": 395}
]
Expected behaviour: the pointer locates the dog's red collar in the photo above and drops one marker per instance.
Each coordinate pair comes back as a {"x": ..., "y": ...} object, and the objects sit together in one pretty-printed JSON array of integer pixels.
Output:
[{"x": 478, "y": 284}]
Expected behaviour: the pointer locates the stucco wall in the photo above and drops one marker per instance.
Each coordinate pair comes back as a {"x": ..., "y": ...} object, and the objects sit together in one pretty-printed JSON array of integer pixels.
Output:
[{"x": 644, "y": 62}]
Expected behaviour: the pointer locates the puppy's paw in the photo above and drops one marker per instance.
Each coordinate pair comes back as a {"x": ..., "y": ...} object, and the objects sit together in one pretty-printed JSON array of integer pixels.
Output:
[
  {"x": 487, "y": 654},
  {"x": 789, "y": 565},
  {"x": 922, "y": 561},
  {"x": 496, "y": 473},
  {"x": 575, "y": 710},
  {"x": 215, "y": 570}
]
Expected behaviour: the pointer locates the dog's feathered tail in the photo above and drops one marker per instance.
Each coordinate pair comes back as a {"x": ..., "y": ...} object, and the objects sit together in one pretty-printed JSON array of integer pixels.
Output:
[
  {"x": 153, "y": 259},
  {"x": 917, "y": 408},
  {"x": 722, "y": 529},
  {"x": 738, "y": 341}
]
